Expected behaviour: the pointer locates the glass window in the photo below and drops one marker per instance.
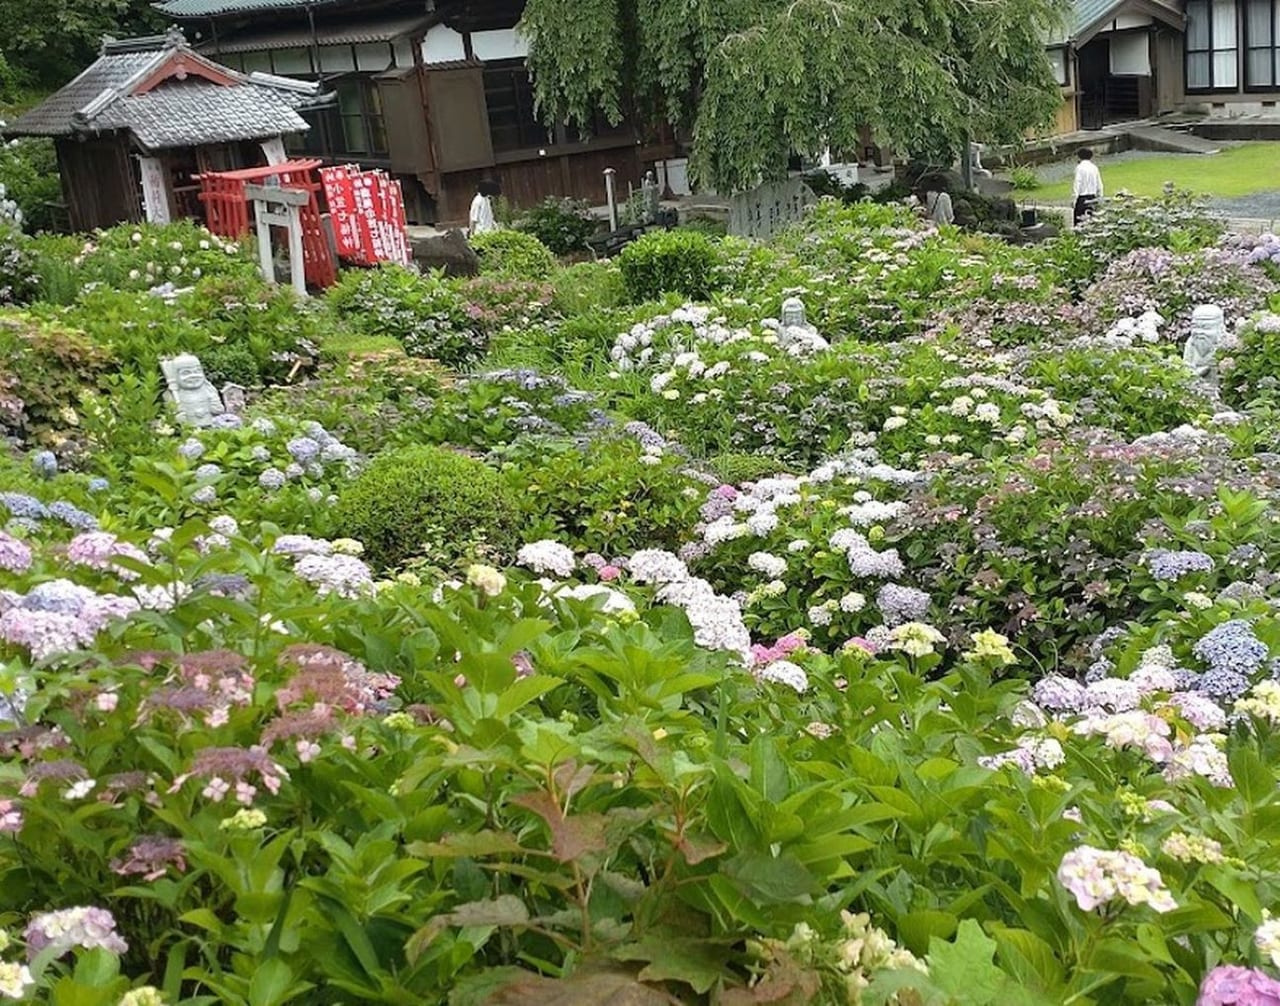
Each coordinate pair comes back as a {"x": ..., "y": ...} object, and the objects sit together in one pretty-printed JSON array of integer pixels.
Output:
[
  {"x": 508, "y": 92},
  {"x": 1213, "y": 50},
  {"x": 1262, "y": 43},
  {"x": 1058, "y": 62}
]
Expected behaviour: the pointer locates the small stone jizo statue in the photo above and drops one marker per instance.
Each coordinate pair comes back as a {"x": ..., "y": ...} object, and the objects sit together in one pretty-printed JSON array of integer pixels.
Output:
[
  {"x": 1207, "y": 328},
  {"x": 196, "y": 399},
  {"x": 794, "y": 327}
]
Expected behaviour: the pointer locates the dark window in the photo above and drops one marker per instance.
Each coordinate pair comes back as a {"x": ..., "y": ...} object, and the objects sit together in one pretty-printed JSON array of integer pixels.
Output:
[
  {"x": 1058, "y": 63},
  {"x": 361, "y": 128},
  {"x": 1262, "y": 43},
  {"x": 599, "y": 128},
  {"x": 1212, "y": 46},
  {"x": 508, "y": 92}
]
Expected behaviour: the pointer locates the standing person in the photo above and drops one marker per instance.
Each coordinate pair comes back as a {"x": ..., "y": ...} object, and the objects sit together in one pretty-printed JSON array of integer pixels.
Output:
[
  {"x": 1087, "y": 190},
  {"x": 482, "y": 220}
]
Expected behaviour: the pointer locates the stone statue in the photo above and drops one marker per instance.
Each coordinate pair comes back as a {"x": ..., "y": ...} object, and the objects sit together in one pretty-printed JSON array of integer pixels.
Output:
[
  {"x": 651, "y": 196},
  {"x": 795, "y": 334},
  {"x": 793, "y": 313},
  {"x": 197, "y": 400},
  {"x": 1207, "y": 329},
  {"x": 234, "y": 398},
  {"x": 975, "y": 161}
]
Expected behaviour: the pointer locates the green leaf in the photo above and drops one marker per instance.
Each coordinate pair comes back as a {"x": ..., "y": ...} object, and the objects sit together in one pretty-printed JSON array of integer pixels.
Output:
[
  {"x": 700, "y": 964},
  {"x": 1254, "y": 781},
  {"x": 270, "y": 983},
  {"x": 965, "y": 968},
  {"x": 507, "y": 911},
  {"x": 770, "y": 880}
]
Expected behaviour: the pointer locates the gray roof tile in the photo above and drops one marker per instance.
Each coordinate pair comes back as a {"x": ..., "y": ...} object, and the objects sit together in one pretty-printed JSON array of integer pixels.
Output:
[
  {"x": 216, "y": 8},
  {"x": 176, "y": 113},
  {"x": 191, "y": 113}
]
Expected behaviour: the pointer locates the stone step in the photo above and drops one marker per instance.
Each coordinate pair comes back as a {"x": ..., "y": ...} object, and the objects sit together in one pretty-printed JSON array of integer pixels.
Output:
[{"x": 1170, "y": 141}]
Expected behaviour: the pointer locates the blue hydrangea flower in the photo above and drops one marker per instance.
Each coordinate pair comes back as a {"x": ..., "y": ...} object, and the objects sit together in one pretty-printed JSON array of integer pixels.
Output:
[
  {"x": 303, "y": 450},
  {"x": 73, "y": 516},
  {"x": 1223, "y": 685},
  {"x": 22, "y": 505},
  {"x": 207, "y": 472},
  {"x": 98, "y": 485},
  {"x": 204, "y": 495},
  {"x": 226, "y": 421},
  {"x": 272, "y": 479},
  {"x": 45, "y": 464},
  {"x": 191, "y": 449},
  {"x": 1231, "y": 647}
]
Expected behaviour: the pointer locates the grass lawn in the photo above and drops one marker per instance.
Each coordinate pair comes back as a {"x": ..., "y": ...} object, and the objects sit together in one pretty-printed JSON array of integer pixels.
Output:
[{"x": 1237, "y": 171}]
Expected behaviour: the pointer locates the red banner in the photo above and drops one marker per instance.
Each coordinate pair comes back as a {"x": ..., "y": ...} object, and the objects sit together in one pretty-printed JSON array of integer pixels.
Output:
[{"x": 367, "y": 210}]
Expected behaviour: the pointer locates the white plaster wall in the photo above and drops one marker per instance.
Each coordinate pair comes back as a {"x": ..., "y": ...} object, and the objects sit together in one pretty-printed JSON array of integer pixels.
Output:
[
  {"x": 1131, "y": 54},
  {"x": 442, "y": 45},
  {"x": 505, "y": 43}
]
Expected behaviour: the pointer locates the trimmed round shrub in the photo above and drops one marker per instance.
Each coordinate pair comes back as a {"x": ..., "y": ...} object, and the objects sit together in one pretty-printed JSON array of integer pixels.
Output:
[
  {"x": 514, "y": 254},
  {"x": 682, "y": 262},
  {"x": 421, "y": 500}
]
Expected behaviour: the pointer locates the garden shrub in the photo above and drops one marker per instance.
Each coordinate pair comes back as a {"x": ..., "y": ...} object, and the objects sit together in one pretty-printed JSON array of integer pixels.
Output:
[
  {"x": 29, "y": 176},
  {"x": 1250, "y": 369},
  {"x": 425, "y": 313},
  {"x": 513, "y": 253},
  {"x": 610, "y": 497},
  {"x": 681, "y": 262},
  {"x": 56, "y": 256},
  {"x": 1177, "y": 221},
  {"x": 19, "y": 269},
  {"x": 44, "y": 369},
  {"x": 504, "y": 302},
  {"x": 143, "y": 256},
  {"x": 563, "y": 225},
  {"x": 1172, "y": 284},
  {"x": 587, "y": 287},
  {"x": 735, "y": 469},
  {"x": 427, "y": 501}
]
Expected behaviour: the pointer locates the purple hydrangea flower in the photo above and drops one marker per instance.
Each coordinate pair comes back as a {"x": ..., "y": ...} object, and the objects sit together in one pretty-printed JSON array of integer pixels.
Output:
[
  {"x": 45, "y": 464},
  {"x": 22, "y": 505},
  {"x": 900, "y": 604},
  {"x": 1235, "y": 986},
  {"x": 303, "y": 450}
]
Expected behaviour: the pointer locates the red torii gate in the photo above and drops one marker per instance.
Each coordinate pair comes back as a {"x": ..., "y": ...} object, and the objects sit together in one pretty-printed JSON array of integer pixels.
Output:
[{"x": 227, "y": 210}]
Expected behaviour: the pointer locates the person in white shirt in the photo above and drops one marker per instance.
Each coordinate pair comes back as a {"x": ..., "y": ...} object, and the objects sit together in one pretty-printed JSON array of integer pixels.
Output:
[
  {"x": 935, "y": 200},
  {"x": 482, "y": 220},
  {"x": 1086, "y": 193}
]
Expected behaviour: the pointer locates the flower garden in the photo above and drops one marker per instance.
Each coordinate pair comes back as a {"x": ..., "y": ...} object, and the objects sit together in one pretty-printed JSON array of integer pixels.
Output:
[{"x": 578, "y": 633}]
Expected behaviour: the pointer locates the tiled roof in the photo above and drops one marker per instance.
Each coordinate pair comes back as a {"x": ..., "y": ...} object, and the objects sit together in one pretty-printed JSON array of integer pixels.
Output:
[
  {"x": 1086, "y": 14},
  {"x": 298, "y": 36},
  {"x": 173, "y": 113},
  {"x": 53, "y": 117},
  {"x": 217, "y": 8},
  {"x": 190, "y": 113}
]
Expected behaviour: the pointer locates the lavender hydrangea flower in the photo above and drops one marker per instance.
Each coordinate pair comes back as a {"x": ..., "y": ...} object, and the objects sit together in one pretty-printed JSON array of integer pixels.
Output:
[
  {"x": 15, "y": 556},
  {"x": 272, "y": 479},
  {"x": 900, "y": 604},
  {"x": 191, "y": 449},
  {"x": 98, "y": 485},
  {"x": 1166, "y": 565},
  {"x": 303, "y": 450},
  {"x": 204, "y": 496},
  {"x": 208, "y": 472},
  {"x": 87, "y": 928},
  {"x": 1229, "y": 985}
]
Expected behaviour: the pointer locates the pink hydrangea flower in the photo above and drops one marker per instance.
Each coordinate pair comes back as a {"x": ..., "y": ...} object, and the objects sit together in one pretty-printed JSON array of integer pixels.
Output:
[{"x": 1236, "y": 986}]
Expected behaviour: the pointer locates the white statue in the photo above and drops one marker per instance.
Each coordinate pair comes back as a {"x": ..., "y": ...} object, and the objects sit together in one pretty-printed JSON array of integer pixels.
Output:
[
  {"x": 1207, "y": 329},
  {"x": 197, "y": 400},
  {"x": 795, "y": 334}
]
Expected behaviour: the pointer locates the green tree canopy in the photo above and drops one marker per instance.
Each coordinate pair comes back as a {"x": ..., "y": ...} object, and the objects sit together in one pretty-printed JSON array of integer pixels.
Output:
[
  {"x": 50, "y": 41},
  {"x": 760, "y": 79}
]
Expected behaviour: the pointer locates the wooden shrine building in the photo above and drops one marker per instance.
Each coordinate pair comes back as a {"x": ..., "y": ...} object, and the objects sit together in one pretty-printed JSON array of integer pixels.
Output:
[{"x": 136, "y": 128}]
